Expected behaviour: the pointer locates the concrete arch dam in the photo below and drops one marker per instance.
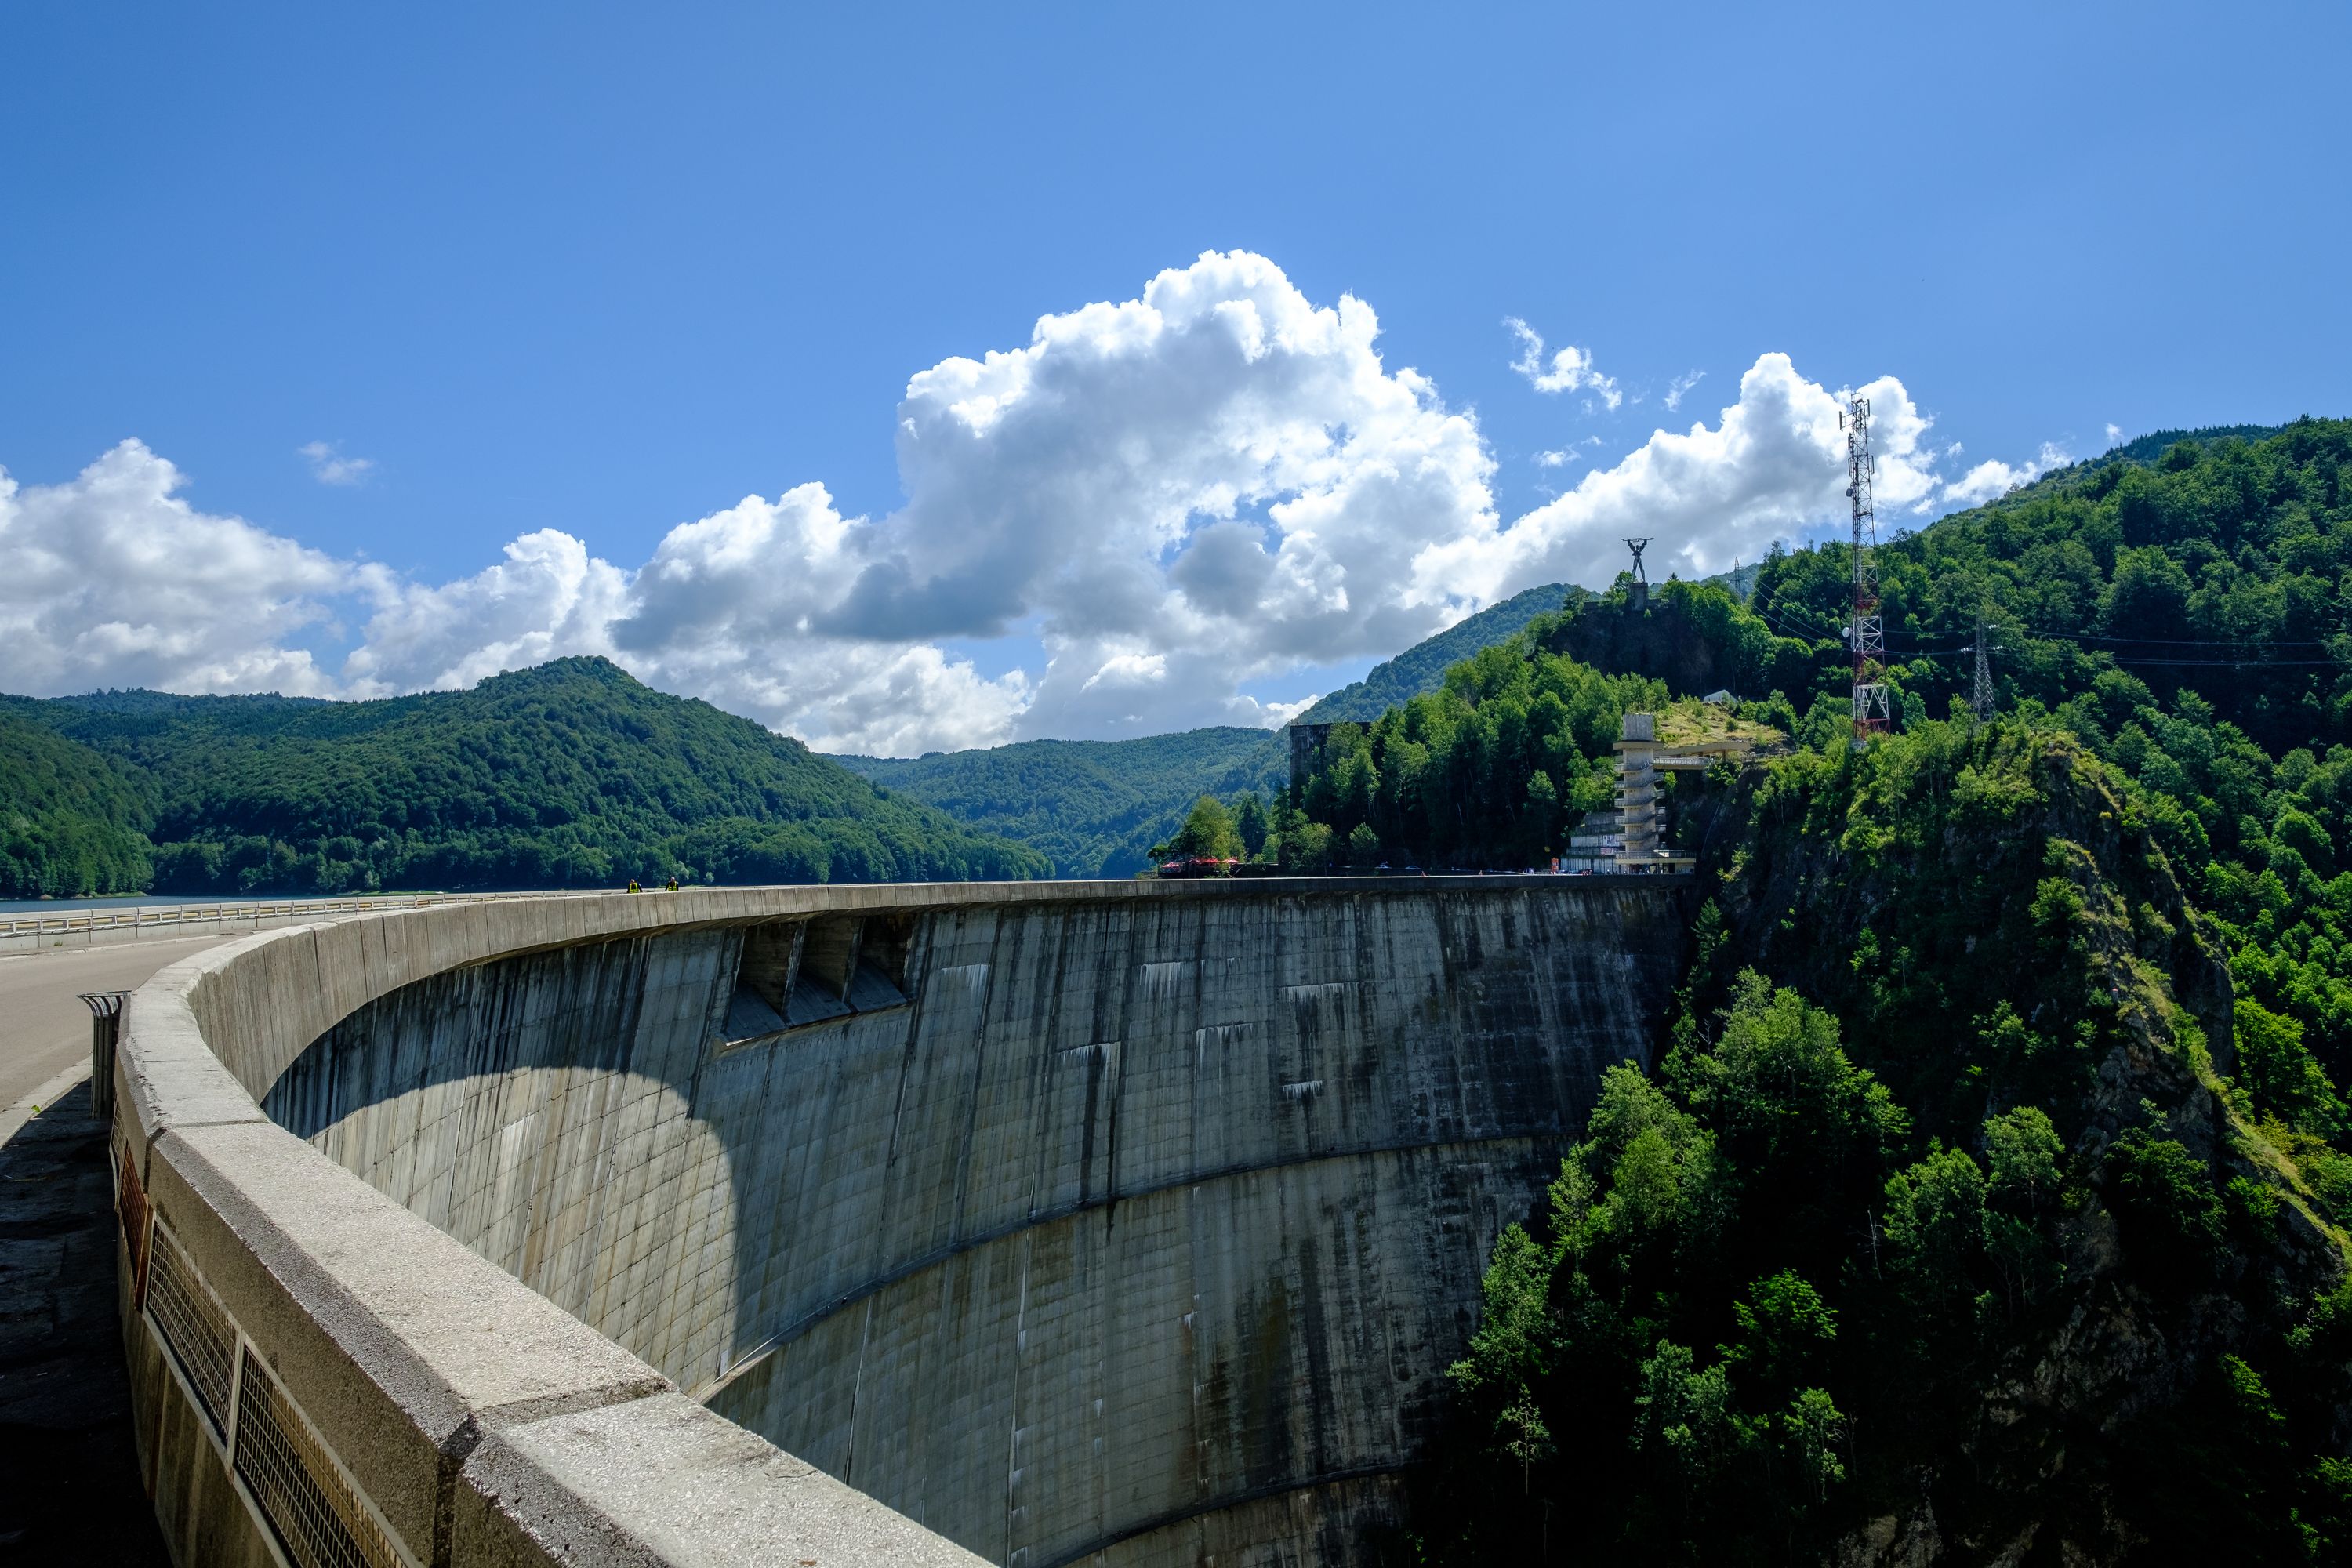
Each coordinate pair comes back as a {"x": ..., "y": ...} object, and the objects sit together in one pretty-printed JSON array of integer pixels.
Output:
[{"x": 1120, "y": 1223}]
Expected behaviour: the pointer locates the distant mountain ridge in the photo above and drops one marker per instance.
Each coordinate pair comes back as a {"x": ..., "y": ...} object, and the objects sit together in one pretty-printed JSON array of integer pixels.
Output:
[
  {"x": 2151, "y": 447},
  {"x": 1420, "y": 668},
  {"x": 537, "y": 777},
  {"x": 1094, "y": 807},
  {"x": 569, "y": 774}
]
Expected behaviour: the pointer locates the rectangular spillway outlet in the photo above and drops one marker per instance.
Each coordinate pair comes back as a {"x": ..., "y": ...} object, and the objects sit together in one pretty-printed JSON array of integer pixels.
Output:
[
  {"x": 812, "y": 1004},
  {"x": 750, "y": 1015},
  {"x": 870, "y": 990}
]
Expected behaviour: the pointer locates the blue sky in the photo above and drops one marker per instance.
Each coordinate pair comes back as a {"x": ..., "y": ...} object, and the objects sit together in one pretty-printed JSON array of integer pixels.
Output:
[{"x": 605, "y": 272}]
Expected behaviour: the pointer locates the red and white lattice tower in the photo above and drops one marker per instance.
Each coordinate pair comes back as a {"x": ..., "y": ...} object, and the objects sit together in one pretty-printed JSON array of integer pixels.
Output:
[{"x": 1873, "y": 710}]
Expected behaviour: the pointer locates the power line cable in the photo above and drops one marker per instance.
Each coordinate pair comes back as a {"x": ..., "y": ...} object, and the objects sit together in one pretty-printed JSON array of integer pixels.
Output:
[
  {"x": 1793, "y": 622},
  {"x": 2182, "y": 642},
  {"x": 1783, "y": 617},
  {"x": 2232, "y": 663}
]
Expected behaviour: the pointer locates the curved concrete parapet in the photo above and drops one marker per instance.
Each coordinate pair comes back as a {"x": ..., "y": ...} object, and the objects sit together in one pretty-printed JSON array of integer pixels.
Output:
[{"x": 1125, "y": 1223}]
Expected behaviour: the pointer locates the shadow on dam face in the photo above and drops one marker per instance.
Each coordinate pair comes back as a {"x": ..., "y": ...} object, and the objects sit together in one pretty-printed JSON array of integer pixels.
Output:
[{"x": 1076, "y": 1229}]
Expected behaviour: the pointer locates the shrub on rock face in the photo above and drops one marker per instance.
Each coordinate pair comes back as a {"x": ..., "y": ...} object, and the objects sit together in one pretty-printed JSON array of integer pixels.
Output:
[{"x": 2164, "y": 1202}]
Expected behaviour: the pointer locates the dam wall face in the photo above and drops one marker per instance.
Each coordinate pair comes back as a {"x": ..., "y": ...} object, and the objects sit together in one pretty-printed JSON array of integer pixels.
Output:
[{"x": 1075, "y": 1223}]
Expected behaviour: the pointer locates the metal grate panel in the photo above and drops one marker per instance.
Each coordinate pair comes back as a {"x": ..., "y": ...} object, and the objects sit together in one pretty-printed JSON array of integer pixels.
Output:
[
  {"x": 321, "y": 1518},
  {"x": 193, "y": 1327},
  {"x": 130, "y": 1205}
]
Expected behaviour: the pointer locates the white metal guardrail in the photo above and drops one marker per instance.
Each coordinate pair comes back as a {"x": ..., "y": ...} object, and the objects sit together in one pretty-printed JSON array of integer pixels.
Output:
[{"x": 162, "y": 917}]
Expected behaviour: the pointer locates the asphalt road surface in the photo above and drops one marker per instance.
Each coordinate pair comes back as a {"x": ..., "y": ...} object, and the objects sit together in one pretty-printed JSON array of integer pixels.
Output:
[
  {"x": 70, "y": 1489},
  {"x": 45, "y": 1029}
]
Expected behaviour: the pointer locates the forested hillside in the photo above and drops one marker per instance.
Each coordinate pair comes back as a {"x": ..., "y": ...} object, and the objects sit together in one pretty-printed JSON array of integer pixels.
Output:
[
  {"x": 70, "y": 820},
  {"x": 1989, "y": 1200},
  {"x": 570, "y": 774},
  {"x": 1421, "y": 669},
  {"x": 1497, "y": 767},
  {"x": 1964, "y": 1218},
  {"x": 1094, "y": 807}
]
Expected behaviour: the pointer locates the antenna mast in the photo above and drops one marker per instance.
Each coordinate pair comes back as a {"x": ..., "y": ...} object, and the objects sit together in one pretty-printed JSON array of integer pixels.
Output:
[{"x": 1873, "y": 712}]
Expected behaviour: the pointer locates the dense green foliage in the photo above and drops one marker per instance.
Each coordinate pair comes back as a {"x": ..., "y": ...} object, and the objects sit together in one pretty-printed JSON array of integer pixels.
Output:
[
  {"x": 2150, "y": 447},
  {"x": 1938, "y": 1115},
  {"x": 1214, "y": 832},
  {"x": 70, "y": 820},
  {"x": 1491, "y": 770},
  {"x": 2219, "y": 570},
  {"x": 1496, "y": 764},
  {"x": 2006, "y": 1050},
  {"x": 2186, "y": 620},
  {"x": 570, "y": 774},
  {"x": 1094, "y": 807}
]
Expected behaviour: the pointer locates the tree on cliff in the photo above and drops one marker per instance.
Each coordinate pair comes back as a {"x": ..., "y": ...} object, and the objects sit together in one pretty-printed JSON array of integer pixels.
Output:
[{"x": 1210, "y": 833}]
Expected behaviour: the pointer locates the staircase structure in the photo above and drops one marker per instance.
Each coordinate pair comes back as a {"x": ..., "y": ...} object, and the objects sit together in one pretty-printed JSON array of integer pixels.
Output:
[{"x": 1630, "y": 838}]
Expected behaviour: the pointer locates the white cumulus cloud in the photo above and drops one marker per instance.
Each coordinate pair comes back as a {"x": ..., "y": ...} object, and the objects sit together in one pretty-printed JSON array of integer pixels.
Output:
[
  {"x": 548, "y": 599},
  {"x": 1174, "y": 496},
  {"x": 112, "y": 579},
  {"x": 1568, "y": 370},
  {"x": 329, "y": 466},
  {"x": 729, "y": 608},
  {"x": 1219, "y": 473},
  {"x": 1994, "y": 478},
  {"x": 1774, "y": 462}
]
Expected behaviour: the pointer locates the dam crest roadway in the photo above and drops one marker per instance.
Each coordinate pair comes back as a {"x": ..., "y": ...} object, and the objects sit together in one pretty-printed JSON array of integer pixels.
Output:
[{"x": 1110, "y": 1223}]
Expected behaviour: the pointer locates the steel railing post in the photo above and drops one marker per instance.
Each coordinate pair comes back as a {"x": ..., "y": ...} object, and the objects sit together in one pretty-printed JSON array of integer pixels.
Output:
[{"x": 105, "y": 1032}]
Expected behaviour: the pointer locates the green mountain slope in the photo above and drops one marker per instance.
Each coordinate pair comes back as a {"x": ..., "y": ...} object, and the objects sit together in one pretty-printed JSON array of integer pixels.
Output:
[
  {"x": 70, "y": 820},
  {"x": 2007, "y": 1050},
  {"x": 1421, "y": 667},
  {"x": 1936, "y": 1152},
  {"x": 570, "y": 774},
  {"x": 1739, "y": 581},
  {"x": 2148, "y": 448},
  {"x": 1094, "y": 807}
]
